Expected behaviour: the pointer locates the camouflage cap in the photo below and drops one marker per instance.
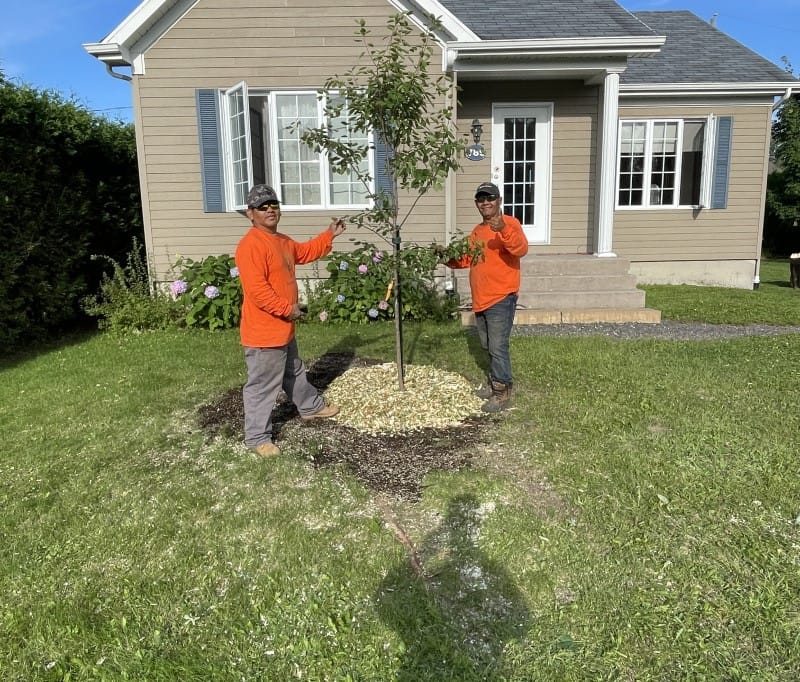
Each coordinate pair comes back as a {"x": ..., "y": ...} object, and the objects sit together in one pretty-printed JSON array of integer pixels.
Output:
[
  {"x": 261, "y": 194},
  {"x": 487, "y": 188}
]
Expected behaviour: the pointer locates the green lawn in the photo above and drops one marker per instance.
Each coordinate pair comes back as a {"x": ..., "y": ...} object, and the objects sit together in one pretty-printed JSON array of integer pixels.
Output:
[{"x": 635, "y": 517}]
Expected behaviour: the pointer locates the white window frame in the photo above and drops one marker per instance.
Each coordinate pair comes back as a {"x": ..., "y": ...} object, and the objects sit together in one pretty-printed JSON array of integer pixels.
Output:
[
  {"x": 706, "y": 170},
  {"x": 234, "y": 152}
]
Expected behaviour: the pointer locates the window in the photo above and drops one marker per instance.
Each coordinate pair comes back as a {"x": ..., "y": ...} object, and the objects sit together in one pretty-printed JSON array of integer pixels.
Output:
[
  {"x": 249, "y": 136},
  {"x": 671, "y": 163}
]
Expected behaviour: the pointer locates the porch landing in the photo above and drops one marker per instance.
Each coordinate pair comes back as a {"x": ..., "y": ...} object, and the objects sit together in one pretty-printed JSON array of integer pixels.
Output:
[{"x": 573, "y": 289}]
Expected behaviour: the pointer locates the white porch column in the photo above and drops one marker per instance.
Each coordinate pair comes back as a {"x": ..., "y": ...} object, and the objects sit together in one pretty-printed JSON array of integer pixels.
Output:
[{"x": 608, "y": 165}]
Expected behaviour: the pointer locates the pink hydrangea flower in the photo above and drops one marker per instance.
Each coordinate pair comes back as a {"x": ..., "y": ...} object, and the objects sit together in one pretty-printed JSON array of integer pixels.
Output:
[
  {"x": 178, "y": 287},
  {"x": 362, "y": 269},
  {"x": 383, "y": 305},
  {"x": 377, "y": 257},
  {"x": 323, "y": 316}
]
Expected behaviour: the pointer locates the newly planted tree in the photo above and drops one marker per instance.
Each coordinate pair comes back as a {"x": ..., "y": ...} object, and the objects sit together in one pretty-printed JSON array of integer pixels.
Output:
[{"x": 394, "y": 105}]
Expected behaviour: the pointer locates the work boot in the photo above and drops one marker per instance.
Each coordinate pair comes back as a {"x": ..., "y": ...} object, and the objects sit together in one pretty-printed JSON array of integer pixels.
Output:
[
  {"x": 324, "y": 413},
  {"x": 500, "y": 398},
  {"x": 267, "y": 450}
]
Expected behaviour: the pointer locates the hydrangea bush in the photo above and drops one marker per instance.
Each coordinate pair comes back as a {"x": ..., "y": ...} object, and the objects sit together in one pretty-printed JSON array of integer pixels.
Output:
[
  {"x": 360, "y": 287},
  {"x": 210, "y": 292}
]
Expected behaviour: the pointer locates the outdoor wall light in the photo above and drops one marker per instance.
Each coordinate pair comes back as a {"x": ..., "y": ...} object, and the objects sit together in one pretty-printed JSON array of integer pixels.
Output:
[{"x": 477, "y": 130}]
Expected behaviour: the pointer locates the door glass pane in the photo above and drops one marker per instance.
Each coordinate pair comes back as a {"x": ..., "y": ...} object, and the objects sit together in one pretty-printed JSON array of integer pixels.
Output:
[{"x": 519, "y": 168}]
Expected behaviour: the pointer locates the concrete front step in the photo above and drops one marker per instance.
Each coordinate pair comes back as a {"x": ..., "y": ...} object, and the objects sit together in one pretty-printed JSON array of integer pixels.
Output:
[
  {"x": 541, "y": 266},
  {"x": 583, "y": 316},
  {"x": 564, "y": 283},
  {"x": 578, "y": 288},
  {"x": 574, "y": 300}
]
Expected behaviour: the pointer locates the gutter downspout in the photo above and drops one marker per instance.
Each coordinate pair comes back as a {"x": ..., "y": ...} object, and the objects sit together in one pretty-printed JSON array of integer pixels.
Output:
[
  {"x": 786, "y": 95},
  {"x": 113, "y": 73}
]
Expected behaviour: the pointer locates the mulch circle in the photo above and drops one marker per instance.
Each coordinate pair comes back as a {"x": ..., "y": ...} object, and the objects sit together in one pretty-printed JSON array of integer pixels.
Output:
[{"x": 394, "y": 464}]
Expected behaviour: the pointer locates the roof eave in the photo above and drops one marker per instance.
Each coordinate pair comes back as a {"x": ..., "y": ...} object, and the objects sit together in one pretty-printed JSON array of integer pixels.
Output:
[
  {"x": 773, "y": 89},
  {"x": 568, "y": 47},
  {"x": 112, "y": 54}
]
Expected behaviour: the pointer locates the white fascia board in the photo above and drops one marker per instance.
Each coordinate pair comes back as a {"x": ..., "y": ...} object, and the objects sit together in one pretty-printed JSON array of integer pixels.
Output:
[
  {"x": 564, "y": 47},
  {"x": 134, "y": 22},
  {"x": 704, "y": 89},
  {"x": 449, "y": 22},
  {"x": 127, "y": 43}
]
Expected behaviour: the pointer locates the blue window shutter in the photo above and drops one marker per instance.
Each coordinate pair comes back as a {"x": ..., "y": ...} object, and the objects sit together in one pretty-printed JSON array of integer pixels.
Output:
[
  {"x": 210, "y": 152},
  {"x": 722, "y": 162},
  {"x": 383, "y": 180}
]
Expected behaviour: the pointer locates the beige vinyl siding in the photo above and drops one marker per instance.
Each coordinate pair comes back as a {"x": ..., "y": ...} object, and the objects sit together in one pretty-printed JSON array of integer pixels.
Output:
[
  {"x": 574, "y": 126},
  {"x": 689, "y": 234},
  {"x": 217, "y": 44}
]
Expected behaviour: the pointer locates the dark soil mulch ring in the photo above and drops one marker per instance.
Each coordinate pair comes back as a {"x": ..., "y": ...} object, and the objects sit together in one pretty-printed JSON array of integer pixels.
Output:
[{"x": 394, "y": 464}]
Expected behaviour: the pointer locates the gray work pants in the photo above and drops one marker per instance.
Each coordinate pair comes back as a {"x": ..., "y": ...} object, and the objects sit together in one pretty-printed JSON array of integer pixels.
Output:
[{"x": 269, "y": 370}]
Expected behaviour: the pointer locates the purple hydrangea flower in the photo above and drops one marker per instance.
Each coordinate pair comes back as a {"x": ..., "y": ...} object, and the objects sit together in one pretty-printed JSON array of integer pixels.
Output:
[
  {"x": 234, "y": 272},
  {"x": 373, "y": 313},
  {"x": 211, "y": 291},
  {"x": 340, "y": 298},
  {"x": 377, "y": 257},
  {"x": 343, "y": 265},
  {"x": 178, "y": 287},
  {"x": 323, "y": 316},
  {"x": 362, "y": 269},
  {"x": 383, "y": 305}
]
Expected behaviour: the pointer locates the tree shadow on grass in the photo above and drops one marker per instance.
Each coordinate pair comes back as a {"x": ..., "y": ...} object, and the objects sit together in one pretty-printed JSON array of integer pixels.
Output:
[{"x": 454, "y": 608}]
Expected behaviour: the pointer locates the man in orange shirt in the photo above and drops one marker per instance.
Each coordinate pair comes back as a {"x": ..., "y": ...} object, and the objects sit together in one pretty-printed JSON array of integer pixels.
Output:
[
  {"x": 266, "y": 260},
  {"x": 494, "y": 280}
]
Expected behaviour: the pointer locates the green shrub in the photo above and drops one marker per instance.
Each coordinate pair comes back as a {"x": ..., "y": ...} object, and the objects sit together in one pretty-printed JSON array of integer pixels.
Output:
[
  {"x": 126, "y": 301},
  {"x": 360, "y": 287},
  {"x": 69, "y": 188},
  {"x": 209, "y": 291}
]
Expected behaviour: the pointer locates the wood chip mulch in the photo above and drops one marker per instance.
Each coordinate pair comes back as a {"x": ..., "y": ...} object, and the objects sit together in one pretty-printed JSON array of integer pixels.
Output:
[{"x": 393, "y": 464}]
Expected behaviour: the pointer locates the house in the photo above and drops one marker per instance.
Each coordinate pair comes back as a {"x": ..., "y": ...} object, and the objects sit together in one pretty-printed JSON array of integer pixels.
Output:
[{"x": 638, "y": 138}]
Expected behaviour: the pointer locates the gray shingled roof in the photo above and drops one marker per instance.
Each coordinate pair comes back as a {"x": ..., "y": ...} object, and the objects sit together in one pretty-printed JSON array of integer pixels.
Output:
[
  {"x": 696, "y": 52},
  {"x": 529, "y": 19}
]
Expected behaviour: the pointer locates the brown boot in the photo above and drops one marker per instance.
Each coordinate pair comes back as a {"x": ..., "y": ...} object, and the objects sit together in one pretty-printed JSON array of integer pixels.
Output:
[
  {"x": 326, "y": 412},
  {"x": 267, "y": 450},
  {"x": 500, "y": 399}
]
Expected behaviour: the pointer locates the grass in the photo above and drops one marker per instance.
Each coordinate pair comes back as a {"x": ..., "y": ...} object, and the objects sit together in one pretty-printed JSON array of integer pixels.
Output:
[
  {"x": 636, "y": 517},
  {"x": 771, "y": 303}
]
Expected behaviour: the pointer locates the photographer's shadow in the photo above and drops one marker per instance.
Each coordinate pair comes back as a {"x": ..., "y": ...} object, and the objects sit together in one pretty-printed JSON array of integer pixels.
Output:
[{"x": 455, "y": 609}]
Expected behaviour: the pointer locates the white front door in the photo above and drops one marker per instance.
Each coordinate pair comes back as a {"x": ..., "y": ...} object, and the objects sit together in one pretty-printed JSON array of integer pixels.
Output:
[{"x": 521, "y": 163}]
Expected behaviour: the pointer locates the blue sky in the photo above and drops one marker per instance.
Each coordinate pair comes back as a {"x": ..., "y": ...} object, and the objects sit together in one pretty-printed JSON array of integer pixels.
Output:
[{"x": 41, "y": 41}]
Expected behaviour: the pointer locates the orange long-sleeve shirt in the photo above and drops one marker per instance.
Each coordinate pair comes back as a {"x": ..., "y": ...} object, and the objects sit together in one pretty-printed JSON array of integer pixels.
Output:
[
  {"x": 496, "y": 274},
  {"x": 266, "y": 265}
]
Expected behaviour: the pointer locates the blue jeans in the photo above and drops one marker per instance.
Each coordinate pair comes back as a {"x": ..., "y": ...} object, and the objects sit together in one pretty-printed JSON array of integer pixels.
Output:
[
  {"x": 269, "y": 370},
  {"x": 494, "y": 331}
]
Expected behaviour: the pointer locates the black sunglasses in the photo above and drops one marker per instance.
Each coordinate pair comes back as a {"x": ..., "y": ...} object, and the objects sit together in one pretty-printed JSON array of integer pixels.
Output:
[
  {"x": 275, "y": 205},
  {"x": 483, "y": 198}
]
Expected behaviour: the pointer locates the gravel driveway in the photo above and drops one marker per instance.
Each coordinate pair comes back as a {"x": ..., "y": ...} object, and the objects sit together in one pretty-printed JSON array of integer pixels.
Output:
[{"x": 680, "y": 331}]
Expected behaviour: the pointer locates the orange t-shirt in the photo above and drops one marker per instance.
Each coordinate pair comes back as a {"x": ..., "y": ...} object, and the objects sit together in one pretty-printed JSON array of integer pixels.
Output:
[
  {"x": 266, "y": 265},
  {"x": 495, "y": 275}
]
